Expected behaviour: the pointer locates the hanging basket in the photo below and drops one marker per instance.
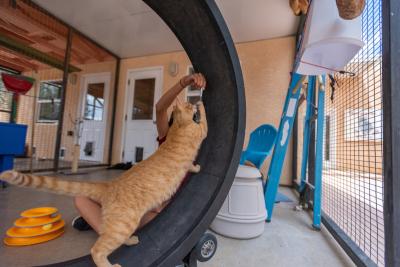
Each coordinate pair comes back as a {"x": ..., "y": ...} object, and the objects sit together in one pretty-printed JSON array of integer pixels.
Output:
[
  {"x": 17, "y": 83},
  {"x": 350, "y": 9}
]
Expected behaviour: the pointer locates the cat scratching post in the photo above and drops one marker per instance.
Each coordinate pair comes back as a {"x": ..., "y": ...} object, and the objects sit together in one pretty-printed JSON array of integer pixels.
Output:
[
  {"x": 35, "y": 93},
  {"x": 77, "y": 148},
  {"x": 75, "y": 158}
]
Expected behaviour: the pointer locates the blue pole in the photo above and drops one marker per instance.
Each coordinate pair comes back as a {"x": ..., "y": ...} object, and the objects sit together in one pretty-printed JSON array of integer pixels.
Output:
[
  {"x": 318, "y": 154},
  {"x": 306, "y": 137},
  {"x": 282, "y": 141}
]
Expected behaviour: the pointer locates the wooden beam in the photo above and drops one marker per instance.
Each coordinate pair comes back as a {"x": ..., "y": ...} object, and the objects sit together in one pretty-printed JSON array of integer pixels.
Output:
[
  {"x": 80, "y": 43},
  {"x": 10, "y": 65},
  {"x": 43, "y": 43},
  {"x": 37, "y": 24},
  {"x": 12, "y": 54},
  {"x": 20, "y": 62},
  {"x": 32, "y": 42},
  {"x": 41, "y": 20},
  {"x": 110, "y": 54},
  {"x": 34, "y": 54},
  {"x": 11, "y": 34}
]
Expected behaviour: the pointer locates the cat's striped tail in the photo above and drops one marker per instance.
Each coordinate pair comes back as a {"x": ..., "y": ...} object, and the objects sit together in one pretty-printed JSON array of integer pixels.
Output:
[{"x": 56, "y": 185}]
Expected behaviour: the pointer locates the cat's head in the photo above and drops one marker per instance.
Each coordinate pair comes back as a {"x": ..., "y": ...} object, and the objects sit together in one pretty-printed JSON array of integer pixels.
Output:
[{"x": 183, "y": 113}]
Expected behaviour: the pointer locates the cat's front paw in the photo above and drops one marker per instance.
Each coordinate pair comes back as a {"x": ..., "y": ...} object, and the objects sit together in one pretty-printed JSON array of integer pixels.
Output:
[
  {"x": 133, "y": 240},
  {"x": 195, "y": 168}
]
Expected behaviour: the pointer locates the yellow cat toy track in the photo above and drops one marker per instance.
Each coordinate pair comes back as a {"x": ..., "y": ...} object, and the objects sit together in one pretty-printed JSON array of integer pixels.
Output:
[{"x": 35, "y": 226}]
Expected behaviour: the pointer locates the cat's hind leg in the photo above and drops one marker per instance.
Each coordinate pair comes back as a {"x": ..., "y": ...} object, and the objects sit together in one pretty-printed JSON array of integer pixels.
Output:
[
  {"x": 103, "y": 247},
  {"x": 194, "y": 168},
  {"x": 115, "y": 231}
]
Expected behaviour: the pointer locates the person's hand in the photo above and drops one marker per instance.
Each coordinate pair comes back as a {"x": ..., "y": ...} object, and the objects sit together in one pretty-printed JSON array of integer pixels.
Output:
[{"x": 196, "y": 80}]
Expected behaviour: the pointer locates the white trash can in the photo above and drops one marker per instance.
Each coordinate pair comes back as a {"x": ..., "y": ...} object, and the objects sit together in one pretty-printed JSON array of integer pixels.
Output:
[{"x": 243, "y": 213}]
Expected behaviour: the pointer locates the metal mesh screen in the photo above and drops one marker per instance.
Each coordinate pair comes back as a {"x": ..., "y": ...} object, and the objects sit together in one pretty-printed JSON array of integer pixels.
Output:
[
  {"x": 5, "y": 99},
  {"x": 353, "y": 172},
  {"x": 41, "y": 56}
]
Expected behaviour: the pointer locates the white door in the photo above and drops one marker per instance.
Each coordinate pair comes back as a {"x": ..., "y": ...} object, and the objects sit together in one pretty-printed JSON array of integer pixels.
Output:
[
  {"x": 94, "y": 105},
  {"x": 143, "y": 92}
]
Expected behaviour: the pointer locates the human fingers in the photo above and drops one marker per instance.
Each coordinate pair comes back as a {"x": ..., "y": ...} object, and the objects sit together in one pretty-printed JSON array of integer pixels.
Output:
[
  {"x": 198, "y": 80},
  {"x": 203, "y": 81}
]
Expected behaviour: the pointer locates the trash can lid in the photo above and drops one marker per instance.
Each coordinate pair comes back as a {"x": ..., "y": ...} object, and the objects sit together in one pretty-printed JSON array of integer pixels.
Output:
[{"x": 247, "y": 172}]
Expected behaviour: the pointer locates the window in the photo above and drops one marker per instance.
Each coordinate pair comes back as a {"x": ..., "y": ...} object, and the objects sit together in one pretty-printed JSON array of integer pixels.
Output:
[
  {"x": 49, "y": 101},
  {"x": 143, "y": 99},
  {"x": 363, "y": 125},
  {"x": 5, "y": 98},
  {"x": 192, "y": 94},
  {"x": 327, "y": 136},
  {"x": 94, "y": 106}
]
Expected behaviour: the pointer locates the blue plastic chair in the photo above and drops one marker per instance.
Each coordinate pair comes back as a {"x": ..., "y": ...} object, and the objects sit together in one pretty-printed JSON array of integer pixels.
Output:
[{"x": 261, "y": 142}]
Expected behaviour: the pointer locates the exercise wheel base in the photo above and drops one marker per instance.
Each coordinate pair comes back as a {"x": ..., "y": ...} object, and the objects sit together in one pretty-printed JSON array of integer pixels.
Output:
[{"x": 203, "y": 251}]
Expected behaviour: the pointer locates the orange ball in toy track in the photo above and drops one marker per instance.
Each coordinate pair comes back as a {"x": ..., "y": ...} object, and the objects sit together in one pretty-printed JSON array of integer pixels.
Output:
[
  {"x": 33, "y": 222},
  {"x": 47, "y": 227}
]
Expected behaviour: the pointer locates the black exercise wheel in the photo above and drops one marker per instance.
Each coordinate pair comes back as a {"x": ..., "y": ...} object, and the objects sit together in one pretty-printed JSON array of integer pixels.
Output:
[{"x": 166, "y": 240}]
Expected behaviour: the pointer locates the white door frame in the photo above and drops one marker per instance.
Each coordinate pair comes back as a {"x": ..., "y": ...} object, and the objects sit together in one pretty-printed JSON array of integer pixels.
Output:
[
  {"x": 97, "y": 77},
  {"x": 157, "y": 94}
]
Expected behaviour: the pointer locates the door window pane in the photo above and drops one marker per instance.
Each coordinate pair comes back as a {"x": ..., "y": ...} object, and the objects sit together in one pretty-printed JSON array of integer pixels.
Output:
[
  {"x": 94, "y": 104},
  {"x": 143, "y": 99}
]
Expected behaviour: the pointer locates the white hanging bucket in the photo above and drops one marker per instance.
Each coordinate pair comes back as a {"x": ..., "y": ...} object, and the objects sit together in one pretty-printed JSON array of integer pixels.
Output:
[{"x": 329, "y": 42}]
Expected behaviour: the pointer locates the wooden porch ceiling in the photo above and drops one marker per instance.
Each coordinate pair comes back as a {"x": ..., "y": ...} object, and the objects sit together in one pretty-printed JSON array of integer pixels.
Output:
[{"x": 26, "y": 24}]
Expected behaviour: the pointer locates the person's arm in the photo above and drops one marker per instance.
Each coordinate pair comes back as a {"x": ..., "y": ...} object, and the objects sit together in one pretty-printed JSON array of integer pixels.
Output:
[{"x": 197, "y": 80}]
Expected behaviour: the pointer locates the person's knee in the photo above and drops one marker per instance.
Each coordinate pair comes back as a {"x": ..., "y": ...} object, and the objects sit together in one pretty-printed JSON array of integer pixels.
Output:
[{"x": 80, "y": 201}]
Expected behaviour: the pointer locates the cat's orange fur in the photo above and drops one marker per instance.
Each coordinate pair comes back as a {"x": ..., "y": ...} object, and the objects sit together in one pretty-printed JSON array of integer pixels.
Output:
[{"x": 125, "y": 199}]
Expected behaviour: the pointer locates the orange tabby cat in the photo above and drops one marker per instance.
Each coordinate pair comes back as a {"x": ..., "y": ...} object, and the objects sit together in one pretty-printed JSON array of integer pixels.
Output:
[{"x": 125, "y": 199}]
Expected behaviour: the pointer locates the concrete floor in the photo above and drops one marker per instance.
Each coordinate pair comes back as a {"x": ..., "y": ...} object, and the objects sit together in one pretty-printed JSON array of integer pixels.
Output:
[
  {"x": 287, "y": 241},
  {"x": 23, "y": 164}
]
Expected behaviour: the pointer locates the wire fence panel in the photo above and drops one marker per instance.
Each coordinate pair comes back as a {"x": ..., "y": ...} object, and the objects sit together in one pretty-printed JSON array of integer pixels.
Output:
[
  {"x": 6, "y": 99},
  {"x": 82, "y": 127},
  {"x": 353, "y": 172}
]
